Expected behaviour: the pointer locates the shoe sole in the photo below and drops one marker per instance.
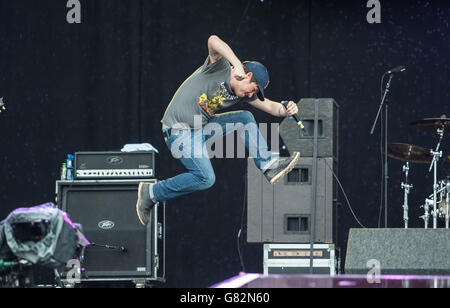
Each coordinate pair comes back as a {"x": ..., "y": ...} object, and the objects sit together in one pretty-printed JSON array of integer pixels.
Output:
[
  {"x": 138, "y": 202},
  {"x": 286, "y": 170}
]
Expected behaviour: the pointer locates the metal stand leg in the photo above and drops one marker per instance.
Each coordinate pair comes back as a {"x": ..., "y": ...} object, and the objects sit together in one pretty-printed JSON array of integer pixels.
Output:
[
  {"x": 426, "y": 216},
  {"x": 407, "y": 188},
  {"x": 447, "y": 203},
  {"x": 436, "y": 155}
]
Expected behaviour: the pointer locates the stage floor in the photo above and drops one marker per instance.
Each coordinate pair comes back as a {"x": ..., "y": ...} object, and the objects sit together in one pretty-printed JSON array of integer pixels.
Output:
[{"x": 339, "y": 281}]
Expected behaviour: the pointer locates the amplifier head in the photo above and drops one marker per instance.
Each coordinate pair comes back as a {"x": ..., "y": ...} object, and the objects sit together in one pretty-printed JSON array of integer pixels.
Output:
[{"x": 114, "y": 165}]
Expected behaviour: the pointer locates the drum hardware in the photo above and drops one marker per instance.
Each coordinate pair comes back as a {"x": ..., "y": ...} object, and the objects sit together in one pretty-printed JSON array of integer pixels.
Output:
[
  {"x": 408, "y": 153},
  {"x": 445, "y": 209},
  {"x": 447, "y": 203},
  {"x": 443, "y": 203},
  {"x": 426, "y": 207},
  {"x": 436, "y": 155},
  {"x": 407, "y": 188},
  {"x": 433, "y": 166},
  {"x": 440, "y": 125},
  {"x": 436, "y": 205},
  {"x": 431, "y": 124}
]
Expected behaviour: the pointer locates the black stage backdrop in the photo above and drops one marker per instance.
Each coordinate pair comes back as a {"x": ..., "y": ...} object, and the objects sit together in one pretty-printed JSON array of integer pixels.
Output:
[{"x": 107, "y": 81}]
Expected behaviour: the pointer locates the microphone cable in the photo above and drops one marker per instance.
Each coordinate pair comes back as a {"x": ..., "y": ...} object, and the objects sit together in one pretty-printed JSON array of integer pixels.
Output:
[
  {"x": 345, "y": 195},
  {"x": 236, "y": 33},
  {"x": 340, "y": 185},
  {"x": 381, "y": 155},
  {"x": 240, "y": 240}
]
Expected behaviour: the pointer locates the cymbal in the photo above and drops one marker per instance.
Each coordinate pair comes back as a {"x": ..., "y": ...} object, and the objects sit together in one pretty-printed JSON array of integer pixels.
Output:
[
  {"x": 432, "y": 124},
  {"x": 410, "y": 153}
]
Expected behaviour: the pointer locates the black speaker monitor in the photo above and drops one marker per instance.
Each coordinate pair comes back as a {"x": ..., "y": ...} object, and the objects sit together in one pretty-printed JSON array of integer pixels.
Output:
[{"x": 120, "y": 245}]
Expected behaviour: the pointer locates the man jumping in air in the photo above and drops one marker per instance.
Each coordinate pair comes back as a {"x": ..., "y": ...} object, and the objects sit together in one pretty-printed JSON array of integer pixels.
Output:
[{"x": 222, "y": 81}]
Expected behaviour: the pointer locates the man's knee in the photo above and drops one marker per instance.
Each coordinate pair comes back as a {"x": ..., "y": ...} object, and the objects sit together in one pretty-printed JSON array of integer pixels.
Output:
[
  {"x": 206, "y": 180},
  {"x": 247, "y": 117}
]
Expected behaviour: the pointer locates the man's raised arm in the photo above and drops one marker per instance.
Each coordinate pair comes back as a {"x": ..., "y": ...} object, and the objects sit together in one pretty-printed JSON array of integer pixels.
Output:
[{"x": 218, "y": 49}]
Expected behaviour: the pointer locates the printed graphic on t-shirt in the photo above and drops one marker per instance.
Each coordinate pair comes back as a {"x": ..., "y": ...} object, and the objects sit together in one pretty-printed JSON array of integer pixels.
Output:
[
  {"x": 225, "y": 92},
  {"x": 214, "y": 104}
]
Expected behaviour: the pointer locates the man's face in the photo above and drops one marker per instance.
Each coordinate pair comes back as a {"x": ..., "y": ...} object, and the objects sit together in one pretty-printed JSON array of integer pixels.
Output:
[{"x": 246, "y": 87}]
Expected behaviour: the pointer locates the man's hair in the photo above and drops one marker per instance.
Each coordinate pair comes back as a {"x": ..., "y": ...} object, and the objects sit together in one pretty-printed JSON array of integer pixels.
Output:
[{"x": 239, "y": 78}]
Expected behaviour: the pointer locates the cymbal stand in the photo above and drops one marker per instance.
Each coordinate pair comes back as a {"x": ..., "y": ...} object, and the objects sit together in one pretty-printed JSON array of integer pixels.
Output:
[
  {"x": 436, "y": 155},
  {"x": 426, "y": 216},
  {"x": 429, "y": 202},
  {"x": 447, "y": 203},
  {"x": 407, "y": 188}
]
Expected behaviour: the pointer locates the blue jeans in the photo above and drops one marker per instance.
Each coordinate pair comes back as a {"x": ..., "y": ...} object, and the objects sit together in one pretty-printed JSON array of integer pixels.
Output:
[{"x": 191, "y": 148}]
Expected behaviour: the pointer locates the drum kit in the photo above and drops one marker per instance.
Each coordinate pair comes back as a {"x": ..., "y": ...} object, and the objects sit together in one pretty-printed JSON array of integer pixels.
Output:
[{"x": 437, "y": 204}]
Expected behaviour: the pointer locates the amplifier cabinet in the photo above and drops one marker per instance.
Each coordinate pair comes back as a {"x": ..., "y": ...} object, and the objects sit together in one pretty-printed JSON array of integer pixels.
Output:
[
  {"x": 121, "y": 247},
  {"x": 282, "y": 213},
  {"x": 114, "y": 165},
  {"x": 295, "y": 259},
  {"x": 328, "y": 129}
]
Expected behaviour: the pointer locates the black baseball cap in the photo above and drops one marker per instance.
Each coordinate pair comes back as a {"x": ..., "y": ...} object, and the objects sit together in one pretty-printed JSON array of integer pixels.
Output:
[{"x": 261, "y": 75}]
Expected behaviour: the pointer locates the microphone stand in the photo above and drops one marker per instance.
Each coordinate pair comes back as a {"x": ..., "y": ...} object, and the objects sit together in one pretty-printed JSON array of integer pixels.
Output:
[
  {"x": 119, "y": 248},
  {"x": 386, "y": 176}
]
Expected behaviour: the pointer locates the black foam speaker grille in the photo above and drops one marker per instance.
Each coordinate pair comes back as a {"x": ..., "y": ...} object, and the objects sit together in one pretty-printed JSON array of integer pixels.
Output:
[
  {"x": 92, "y": 208},
  {"x": 108, "y": 217}
]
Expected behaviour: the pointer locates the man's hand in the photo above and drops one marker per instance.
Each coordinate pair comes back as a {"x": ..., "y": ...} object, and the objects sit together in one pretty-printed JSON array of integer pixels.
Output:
[
  {"x": 239, "y": 71},
  {"x": 291, "y": 108}
]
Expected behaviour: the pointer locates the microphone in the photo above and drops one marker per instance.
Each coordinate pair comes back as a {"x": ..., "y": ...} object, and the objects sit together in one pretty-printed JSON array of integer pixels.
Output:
[
  {"x": 296, "y": 118},
  {"x": 398, "y": 69}
]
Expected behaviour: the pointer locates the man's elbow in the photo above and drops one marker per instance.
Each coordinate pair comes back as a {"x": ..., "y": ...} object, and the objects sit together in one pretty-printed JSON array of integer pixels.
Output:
[{"x": 212, "y": 39}]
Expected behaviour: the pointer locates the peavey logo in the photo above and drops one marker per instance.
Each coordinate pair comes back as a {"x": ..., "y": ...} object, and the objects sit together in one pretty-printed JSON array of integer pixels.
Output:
[
  {"x": 114, "y": 160},
  {"x": 106, "y": 224}
]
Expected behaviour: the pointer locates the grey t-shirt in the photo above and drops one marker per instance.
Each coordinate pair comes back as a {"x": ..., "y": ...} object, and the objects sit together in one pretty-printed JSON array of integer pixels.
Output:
[{"x": 203, "y": 94}]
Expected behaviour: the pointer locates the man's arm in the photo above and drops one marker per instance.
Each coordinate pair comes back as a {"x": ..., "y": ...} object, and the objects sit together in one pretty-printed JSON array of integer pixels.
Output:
[
  {"x": 218, "y": 49},
  {"x": 275, "y": 108}
]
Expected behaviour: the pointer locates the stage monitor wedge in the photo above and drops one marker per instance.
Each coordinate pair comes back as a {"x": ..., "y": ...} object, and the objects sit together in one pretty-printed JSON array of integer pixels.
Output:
[{"x": 398, "y": 251}]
